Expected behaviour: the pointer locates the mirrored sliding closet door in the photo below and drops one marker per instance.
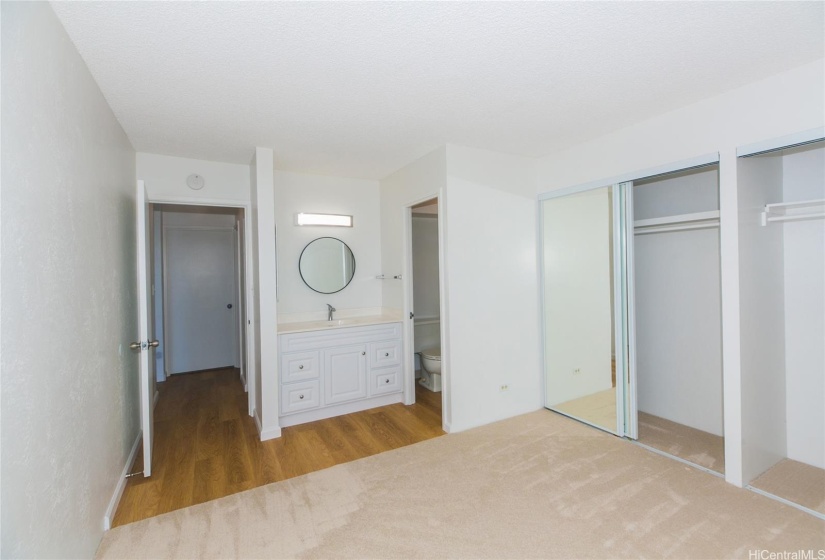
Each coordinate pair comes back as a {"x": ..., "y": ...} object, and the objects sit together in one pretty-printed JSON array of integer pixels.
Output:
[{"x": 585, "y": 301}]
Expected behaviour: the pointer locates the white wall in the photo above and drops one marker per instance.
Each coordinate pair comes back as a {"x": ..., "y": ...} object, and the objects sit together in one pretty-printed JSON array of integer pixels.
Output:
[
  {"x": 267, "y": 309},
  {"x": 780, "y": 105},
  {"x": 425, "y": 266},
  {"x": 253, "y": 297},
  {"x": 677, "y": 193},
  {"x": 763, "y": 317},
  {"x": 492, "y": 287},
  {"x": 678, "y": 305},
  {"x": 165, "y": 177},
  {"x": 421, "y": 179},
  {"x": 426, "y": 297},
  {"x": 298, "y": 192},
  {"x": 70, "y": 383},
  {"x": 804, "y": 257}
]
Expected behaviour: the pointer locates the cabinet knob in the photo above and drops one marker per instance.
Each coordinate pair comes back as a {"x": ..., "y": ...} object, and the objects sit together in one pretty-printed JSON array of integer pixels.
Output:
[
  {"x": 386, "y": 380},
  {"x": 363, "y": 353},
  {"x": 386, "y": 353},
  {"x": 301, "y": 367},
  {"x": 301, "y": 397}
]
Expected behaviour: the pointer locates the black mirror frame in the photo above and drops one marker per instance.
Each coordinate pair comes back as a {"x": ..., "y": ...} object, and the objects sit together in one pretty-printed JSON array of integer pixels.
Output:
[{"x": 354, "y": 264}]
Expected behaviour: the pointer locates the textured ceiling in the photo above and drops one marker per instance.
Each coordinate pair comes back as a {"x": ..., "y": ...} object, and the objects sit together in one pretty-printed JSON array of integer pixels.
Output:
[{"x": 361, "y": 89}]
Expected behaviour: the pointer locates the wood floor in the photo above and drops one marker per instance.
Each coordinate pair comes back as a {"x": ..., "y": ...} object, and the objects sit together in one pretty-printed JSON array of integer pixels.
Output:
[{"x": 207, "y": 446}]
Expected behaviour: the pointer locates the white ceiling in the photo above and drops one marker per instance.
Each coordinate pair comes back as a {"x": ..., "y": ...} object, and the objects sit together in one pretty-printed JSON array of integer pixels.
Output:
[{"x": 361, "y": 89}]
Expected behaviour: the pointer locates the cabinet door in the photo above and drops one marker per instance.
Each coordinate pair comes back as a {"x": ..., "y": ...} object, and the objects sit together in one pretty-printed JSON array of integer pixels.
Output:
[{"x": 345, "y": 374}]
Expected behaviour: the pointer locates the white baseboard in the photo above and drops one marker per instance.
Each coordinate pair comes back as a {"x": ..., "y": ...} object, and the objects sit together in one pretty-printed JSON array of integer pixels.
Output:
[
  {"x": 257, "y": 420},
  {"x": 271, "y": 433},
  {"x": 121, "y": 485},
  {"x": 243, "y": 380}
]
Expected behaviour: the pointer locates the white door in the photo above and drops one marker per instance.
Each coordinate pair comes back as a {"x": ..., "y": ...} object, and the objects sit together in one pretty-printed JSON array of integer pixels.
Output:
[
  {"x": 144, "y": 344},
  {"x": 201, "y": 324}
]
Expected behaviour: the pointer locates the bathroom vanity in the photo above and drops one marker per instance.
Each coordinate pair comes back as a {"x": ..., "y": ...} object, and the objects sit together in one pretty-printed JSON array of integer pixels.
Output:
[{"x": 329, "y": 368}]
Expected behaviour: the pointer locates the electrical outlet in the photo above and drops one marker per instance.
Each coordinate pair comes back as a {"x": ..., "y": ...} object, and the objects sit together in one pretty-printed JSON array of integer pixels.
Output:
[
  {"x": 504, "y": 388},
  {"x": 577, "y": 371}
]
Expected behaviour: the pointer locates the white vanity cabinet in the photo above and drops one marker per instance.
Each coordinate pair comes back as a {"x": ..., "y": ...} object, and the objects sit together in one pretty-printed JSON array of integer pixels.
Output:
[{"x": 334, "y": 371}]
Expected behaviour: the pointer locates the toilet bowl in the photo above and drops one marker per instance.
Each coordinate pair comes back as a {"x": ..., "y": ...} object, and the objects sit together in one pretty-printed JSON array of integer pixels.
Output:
[
  {"x": 431, "y": 369},
  {"x": 432, "y": 359}
]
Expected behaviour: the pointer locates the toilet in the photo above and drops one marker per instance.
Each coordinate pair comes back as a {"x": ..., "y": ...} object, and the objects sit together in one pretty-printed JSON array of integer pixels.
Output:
[{"x": 431, "y": 369}]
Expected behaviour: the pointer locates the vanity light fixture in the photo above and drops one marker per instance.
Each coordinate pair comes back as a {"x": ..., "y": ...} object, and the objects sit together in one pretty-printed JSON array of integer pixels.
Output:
[{"x": 339, "y": 220}]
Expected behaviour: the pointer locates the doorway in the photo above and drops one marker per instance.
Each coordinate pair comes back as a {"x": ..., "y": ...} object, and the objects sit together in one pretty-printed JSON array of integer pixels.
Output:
[
  {"x": 426, "y": 368},
  {"x": 198, "y": 288},
  {"x": 198, "y": 292}
]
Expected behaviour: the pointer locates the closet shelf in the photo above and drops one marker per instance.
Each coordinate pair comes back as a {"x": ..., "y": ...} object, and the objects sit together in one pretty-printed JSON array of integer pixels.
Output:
[
  {"x": 680, "y": 222},
  {"x": 793, "y": 211}
]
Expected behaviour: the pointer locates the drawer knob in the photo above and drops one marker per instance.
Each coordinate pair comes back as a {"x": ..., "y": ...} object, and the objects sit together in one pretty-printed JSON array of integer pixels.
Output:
[
  {"x": 301, "y": 367},
  {"x": 301, "y": 397},
  {"x": 387, "y": 380},
  {"x": 363, "y": 353},
  {"x": 386, "y": 353}
]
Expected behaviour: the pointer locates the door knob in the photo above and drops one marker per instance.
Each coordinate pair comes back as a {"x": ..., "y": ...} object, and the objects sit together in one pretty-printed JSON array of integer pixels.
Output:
[
  {"x": 141, "y": 345},
  {"x": 229, "y": 306}
]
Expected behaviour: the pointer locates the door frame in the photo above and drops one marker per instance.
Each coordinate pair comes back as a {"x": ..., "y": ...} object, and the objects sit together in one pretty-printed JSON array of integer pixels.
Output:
[
  {"x": 249, "y": 310},
  {"x": 409, "y": 322}
]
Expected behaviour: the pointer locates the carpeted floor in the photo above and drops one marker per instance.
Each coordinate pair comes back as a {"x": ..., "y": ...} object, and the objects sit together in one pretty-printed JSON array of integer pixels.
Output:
[
  {"x": 535, "y": 486},
  {"x": 800, "y": 483},
  {"x": 598, "y": 409},
  {"x": 690, "y": 444}
]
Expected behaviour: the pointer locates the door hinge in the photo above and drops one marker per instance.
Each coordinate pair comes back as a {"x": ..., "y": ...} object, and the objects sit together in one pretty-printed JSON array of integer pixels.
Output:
[{"x": 412, "y": 314}]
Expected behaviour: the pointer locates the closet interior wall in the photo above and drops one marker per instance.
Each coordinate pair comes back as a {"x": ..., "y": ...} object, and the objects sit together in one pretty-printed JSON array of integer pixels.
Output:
[
  {"x": 782, "y": 303},
  {"x": 678, "y": 302}
]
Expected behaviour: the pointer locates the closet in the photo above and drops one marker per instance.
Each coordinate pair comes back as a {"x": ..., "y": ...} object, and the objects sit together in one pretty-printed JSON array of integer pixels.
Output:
[
  {"x": 781, "y": 198},
  {"x": 677, "y": 315},
  {"x": 632, "y": 309}
]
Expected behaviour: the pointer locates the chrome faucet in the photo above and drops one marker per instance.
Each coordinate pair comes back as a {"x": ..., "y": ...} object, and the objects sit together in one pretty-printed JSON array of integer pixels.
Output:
[{"x": 330, "y": 311}]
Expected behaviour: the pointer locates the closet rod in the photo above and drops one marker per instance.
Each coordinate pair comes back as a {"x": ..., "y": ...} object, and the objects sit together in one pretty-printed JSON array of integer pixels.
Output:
[
  {"x": 795, "y": 217},
  {"x": 801, "y": 210},
  {"x": 681, "y": 227}
]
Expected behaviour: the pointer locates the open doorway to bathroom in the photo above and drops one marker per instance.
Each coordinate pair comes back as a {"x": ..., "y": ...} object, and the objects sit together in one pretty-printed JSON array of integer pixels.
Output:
[{"x": 424, "y": 300}]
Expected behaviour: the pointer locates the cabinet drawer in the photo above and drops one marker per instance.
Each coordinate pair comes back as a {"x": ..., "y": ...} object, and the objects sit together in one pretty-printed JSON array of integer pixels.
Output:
[
  {"x": 385, "y": 380},
  {"x": 299, "y": 366},
  {"x": 296, "y": 397},
  {"x": 385, "y": 353}
]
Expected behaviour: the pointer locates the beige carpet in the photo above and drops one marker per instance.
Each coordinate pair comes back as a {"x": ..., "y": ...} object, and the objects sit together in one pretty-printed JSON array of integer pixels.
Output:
[
  {"x": 598, "y": 409},
  {"x": 690, "y": 444},
  {"x": 535, "y": 486},
  {"x": 800, "y": 483}
]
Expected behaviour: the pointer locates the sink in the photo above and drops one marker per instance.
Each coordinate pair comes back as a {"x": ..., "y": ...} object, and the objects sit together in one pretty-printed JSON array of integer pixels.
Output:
[{"x": 336, "y": 323}]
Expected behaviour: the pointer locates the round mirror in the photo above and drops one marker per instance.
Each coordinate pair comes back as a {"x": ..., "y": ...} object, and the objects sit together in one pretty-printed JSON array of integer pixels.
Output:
[{"x": 327, "y": 265}]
